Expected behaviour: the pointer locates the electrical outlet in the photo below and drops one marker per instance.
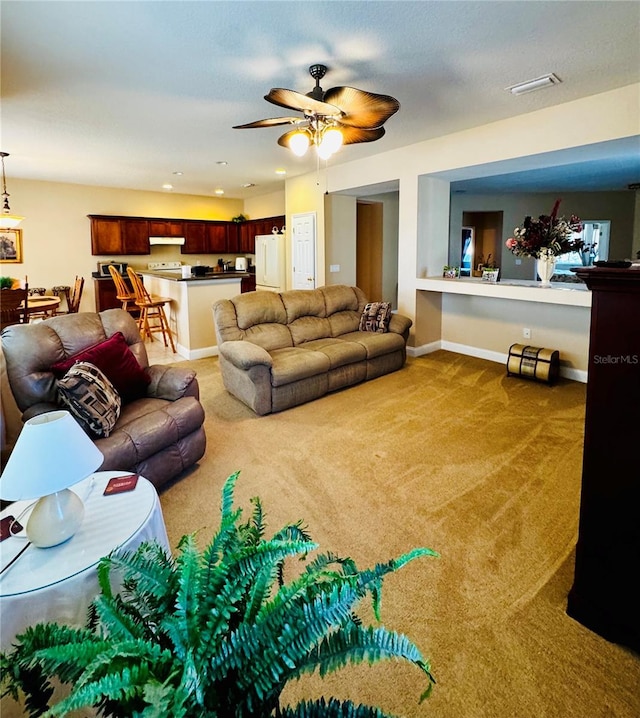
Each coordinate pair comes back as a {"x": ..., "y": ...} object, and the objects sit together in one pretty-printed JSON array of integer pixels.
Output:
[
  {"x": 526, "y": 333},
  {"x": 334, "y": 268}
]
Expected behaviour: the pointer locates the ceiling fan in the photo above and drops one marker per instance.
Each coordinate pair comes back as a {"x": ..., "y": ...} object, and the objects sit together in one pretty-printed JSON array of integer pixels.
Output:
[{"x": 341, "y": 115}]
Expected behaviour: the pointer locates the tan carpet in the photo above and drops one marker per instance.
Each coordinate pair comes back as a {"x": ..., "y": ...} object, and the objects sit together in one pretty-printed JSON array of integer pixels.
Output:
[{"x": 451, "y": 454}]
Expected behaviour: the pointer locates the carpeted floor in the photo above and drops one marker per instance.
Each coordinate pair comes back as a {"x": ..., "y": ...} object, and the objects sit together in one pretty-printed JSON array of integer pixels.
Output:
[{"x": 451, "y": 454}]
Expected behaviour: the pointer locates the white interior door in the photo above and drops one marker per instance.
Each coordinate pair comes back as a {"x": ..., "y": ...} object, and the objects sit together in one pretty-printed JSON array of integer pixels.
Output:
[{"x": 303, "y": 250}]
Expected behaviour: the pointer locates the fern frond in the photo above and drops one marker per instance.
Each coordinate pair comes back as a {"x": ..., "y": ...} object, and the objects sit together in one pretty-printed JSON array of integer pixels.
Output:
[
  {"x": 187, "y": 599},
  {"x": 332, "y": 709},
  {"x": 226, "y": 505},
  {"x": 126, "y": 686}
]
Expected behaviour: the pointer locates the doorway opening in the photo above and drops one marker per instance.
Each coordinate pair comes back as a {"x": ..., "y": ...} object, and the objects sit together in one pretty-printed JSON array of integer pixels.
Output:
[{"x": 480, "y": 242}]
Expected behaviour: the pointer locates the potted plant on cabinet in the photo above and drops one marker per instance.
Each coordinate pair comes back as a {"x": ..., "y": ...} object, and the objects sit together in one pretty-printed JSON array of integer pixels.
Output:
[{"x": 212, "y": 634}]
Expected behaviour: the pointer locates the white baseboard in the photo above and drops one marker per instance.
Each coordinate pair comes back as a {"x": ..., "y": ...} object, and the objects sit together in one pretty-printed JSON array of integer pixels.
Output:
[
  {"x": 498, "y": 357},
  {"x": 197, "y": 353}
]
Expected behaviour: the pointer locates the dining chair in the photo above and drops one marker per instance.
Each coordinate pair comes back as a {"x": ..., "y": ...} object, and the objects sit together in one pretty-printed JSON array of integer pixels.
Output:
[
  {"x": 13, "y": 306},
  {"x": 73, "y": 295},
  {"x": 151, "y": 308},
  {"x": 76, "y": 295},
  {"x": 123, "y": 293}
]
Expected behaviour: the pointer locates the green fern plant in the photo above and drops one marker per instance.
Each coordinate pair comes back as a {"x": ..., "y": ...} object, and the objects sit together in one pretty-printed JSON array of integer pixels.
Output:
[{"x": 213, "y": 633}]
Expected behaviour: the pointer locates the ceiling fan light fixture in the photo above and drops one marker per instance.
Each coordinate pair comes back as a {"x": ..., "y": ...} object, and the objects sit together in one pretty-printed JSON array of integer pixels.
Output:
[
  {"x": 299, "y": 143},
  {"x": 7, "y": 219},
  {"x": 330, "y": 142}
]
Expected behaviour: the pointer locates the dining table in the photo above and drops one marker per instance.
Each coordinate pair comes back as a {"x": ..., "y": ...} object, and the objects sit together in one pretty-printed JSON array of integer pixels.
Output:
[{"x": 44, "y": 306}]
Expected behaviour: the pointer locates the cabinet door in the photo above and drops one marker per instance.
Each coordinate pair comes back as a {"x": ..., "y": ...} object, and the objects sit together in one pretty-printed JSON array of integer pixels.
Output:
[
  {"x": 165, "y": 228},
  {"x": 135, "y": 236},
  {"x": 248, "y": 237},
  {"x": 195, "y": 238},
  {"x": 233, "y": 237},
  {"x": 248, "y": 284},
  {"x": 217, "y": 236},
  {"x": 106, "y": 237}
]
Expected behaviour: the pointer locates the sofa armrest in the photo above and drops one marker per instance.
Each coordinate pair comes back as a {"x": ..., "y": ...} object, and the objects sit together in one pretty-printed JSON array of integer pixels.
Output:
[
  {"x": 171, "y": 382},
  {"x": 400, "y": 324},
  {"x": 245, "y": 355}
]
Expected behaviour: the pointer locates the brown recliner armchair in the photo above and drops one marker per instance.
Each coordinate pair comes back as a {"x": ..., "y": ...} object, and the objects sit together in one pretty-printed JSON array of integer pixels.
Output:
[{"x": 158, "y": 435}]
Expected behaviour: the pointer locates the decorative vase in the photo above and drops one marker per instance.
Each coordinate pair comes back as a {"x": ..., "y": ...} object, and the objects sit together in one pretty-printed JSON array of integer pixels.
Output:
[{"x": 545, "y": 267}]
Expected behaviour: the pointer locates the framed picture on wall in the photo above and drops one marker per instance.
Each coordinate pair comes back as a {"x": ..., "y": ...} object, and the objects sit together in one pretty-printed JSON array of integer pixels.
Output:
[{"x": 11, "y": 246}]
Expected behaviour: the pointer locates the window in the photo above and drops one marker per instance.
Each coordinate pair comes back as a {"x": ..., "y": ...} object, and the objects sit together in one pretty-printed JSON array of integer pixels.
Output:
[{"x": 595, "y": 235}]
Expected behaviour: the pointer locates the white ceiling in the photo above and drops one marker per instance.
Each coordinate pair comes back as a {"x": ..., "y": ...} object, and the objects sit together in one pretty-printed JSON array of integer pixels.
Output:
[{"x": 124, "y": 94}]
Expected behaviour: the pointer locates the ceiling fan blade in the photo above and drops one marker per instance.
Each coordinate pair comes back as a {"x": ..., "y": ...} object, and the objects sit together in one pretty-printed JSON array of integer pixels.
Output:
[
  {"x": 272, "y": 122},
  {"x": 360, "y": 108},
  {"x": 352, "y": 135},
  {"x": 293, "y": 100}
]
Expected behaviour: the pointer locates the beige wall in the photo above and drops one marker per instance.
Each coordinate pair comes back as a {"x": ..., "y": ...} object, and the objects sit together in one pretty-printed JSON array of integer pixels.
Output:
[
  {"x": 57, "y": 233},
  {"x": 423, "y": 220}
]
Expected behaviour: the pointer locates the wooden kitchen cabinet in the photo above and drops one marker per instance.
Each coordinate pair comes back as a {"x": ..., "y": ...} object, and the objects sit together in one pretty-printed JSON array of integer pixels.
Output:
[
  {"x": 113, "y": 235},
  {"x": 253, "y": 227},
  {"x": 604, "y": 595},
  {"x": 217, "y": 236},
  {"x": 119, "y": 235},
  {"x": 106, "y": 294},
  {"x": 195, "y": 238},
  {"x": 166, "y": 228},
  {"x": 135, "y": 236},
  {"x": 248, "y": 284}
]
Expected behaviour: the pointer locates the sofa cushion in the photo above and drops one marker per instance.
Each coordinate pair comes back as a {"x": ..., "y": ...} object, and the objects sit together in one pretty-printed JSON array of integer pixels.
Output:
[
  {"x": 339, "y": 298},
  {"x": 339, "y": 352},
  {"x": 90, "y": 398},
  {"x": 375, "y": 317},
  {"x": 376, "y": 344},
  {"x": 259, "y": 308},
  {"x": 292, "y": 364},
  {"x": 115, "y": 359}
]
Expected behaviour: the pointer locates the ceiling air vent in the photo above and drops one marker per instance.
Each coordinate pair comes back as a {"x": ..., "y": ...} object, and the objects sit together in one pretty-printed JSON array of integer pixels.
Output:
[{"x": 531, "y": 85}]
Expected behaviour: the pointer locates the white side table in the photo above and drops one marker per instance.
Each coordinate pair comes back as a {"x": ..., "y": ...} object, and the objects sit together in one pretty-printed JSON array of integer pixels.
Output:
[{"x": 59, "y": 583}]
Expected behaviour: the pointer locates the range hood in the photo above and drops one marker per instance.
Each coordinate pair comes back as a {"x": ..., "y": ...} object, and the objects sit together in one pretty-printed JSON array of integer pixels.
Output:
[{"x": 166, "y": 240}]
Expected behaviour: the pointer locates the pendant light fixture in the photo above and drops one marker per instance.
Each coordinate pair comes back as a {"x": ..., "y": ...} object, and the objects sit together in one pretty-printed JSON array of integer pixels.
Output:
[{"x": 7, "y": 220}]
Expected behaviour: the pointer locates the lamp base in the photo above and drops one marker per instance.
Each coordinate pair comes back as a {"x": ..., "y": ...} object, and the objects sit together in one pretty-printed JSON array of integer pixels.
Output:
[{"x": 55, "y": 519}]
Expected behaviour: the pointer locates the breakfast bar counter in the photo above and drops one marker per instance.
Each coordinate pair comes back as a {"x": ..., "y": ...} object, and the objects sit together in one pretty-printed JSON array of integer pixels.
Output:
[
  {"x": 483, "y": 319},
  {"x": 190, "y": 312}
]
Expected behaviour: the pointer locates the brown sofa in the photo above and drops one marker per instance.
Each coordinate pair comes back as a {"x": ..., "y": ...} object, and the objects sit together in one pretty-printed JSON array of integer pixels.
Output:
[
  {"x": 157, "y": 435},
  {"x": 278, "y": 350}
]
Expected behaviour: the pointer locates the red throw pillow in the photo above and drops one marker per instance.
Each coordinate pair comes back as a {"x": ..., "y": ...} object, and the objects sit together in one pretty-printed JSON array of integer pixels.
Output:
[{"x": 116, "y": 360}]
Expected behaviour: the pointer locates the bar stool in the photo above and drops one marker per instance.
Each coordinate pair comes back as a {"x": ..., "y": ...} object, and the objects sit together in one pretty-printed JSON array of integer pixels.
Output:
[
  {"x": 123, "y": 294},
  {"x": 151, "y": 307}
]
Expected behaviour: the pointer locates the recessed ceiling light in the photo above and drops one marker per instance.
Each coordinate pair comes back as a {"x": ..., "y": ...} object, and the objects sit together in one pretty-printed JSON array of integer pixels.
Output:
[
  {"x": 223, "y": 163},
  {"x": 281, "y": 171},
  {"x": 537, "y": 84},
  {"x": 167, "y": 186},
  {"x": 219, "y": 191},
  {"x": 248, "y": 184}
]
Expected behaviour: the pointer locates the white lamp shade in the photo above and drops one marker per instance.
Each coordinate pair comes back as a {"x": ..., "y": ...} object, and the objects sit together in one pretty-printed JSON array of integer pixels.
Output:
[
  {"x": 331, "y": 142},
  {"x": 9, "y": 221},
  {"x": 52, "y": 453},
  {"x": 299, "y": 143}
]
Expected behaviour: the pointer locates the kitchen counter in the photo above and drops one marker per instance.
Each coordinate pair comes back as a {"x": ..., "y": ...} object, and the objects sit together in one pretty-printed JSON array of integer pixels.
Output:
[
  {"x": 190, "y": 308},
  {"x": 176, "y": 275}
]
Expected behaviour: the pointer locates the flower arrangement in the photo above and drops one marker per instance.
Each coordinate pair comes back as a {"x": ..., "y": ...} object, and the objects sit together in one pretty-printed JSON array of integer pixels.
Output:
[{"x": 548, "y": 235}]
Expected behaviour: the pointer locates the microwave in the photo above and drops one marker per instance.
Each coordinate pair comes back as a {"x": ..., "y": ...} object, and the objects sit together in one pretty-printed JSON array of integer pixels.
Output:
[{"x": 103, "y": 268}]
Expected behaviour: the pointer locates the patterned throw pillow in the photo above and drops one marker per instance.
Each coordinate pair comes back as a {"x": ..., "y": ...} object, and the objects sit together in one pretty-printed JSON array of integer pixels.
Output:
[
  {"x": 90, "y": 398},
  {"x": 375, "y": 317},
  {"x": 116, "y": 360}
]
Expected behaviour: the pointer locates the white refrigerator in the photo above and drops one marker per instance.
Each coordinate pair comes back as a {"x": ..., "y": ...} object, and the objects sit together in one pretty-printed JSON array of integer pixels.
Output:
[{"x": 270, "y": 262}]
